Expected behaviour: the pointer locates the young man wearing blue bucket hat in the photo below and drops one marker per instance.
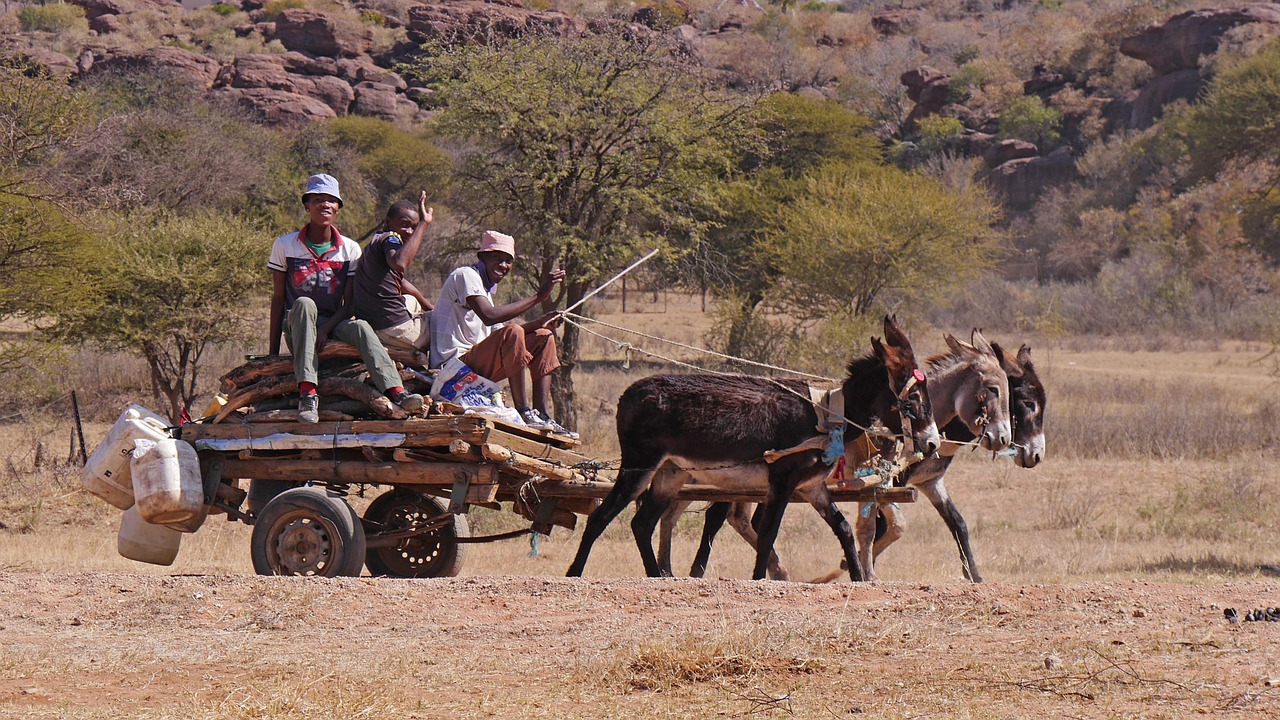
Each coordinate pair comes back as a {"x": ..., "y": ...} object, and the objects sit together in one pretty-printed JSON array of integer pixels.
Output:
[{"x": 311, "y": 273}]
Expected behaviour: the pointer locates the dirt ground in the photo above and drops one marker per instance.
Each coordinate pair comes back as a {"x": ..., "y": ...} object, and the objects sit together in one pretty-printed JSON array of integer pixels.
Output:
[{"x": 98, "y": 645}]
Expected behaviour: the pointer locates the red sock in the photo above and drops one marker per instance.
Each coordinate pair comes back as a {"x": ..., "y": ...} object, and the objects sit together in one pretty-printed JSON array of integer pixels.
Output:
[
  {"x": 307, "y": 388},
  {"x": 392, "y": 392}
]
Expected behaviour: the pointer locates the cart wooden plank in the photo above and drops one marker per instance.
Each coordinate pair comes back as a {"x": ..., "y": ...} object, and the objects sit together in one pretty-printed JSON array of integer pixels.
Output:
[
  {"x": 419, "y": 432},
  {"x": 356, "y": 471}
]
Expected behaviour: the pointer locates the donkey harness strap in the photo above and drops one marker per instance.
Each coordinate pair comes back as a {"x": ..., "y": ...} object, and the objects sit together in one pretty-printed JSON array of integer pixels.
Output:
[{"x": 828, "y": 403}]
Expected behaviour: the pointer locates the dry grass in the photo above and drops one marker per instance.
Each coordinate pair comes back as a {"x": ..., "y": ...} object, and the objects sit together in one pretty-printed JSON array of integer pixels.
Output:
[{"x": 1157, "y": 465}]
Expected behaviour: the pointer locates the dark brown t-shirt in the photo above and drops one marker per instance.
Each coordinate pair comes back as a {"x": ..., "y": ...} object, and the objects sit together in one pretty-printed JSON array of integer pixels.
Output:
[{"x": 377, "y": 296}]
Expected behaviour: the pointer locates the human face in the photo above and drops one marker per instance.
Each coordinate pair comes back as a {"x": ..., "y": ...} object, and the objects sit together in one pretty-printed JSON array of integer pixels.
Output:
[
  {"x": 404, "y": 223},
  {"x": 322, "y": 208},
  {"x": 496, "y": 265}
]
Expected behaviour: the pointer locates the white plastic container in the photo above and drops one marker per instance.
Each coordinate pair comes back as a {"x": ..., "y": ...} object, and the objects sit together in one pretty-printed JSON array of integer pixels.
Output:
[
  {"x": 106, "y": 473},
  {"x": 144, "y": 542},
  {"x": 166, "y": 481}
]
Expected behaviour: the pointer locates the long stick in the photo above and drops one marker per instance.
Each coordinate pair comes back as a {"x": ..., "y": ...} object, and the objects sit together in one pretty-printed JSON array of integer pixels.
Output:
[{"x": 611, "y": 280}]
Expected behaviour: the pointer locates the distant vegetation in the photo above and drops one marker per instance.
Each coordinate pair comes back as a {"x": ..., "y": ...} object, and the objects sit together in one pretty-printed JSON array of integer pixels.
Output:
[{"x": 774, "y": 164}]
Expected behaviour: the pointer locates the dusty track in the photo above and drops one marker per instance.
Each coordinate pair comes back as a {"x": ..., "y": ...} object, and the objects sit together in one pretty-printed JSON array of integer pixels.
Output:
[{"x": 118, "y": 645}]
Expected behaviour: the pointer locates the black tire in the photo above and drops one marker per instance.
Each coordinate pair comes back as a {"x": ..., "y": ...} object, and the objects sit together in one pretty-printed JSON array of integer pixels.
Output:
[
  {"x": 436, "y": 554},
  {"x": 307, "y": 531}
]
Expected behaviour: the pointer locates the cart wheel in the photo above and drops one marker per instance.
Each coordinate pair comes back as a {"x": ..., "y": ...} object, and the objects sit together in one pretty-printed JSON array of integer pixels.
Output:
[
  {"x": 306, "y": 531},
  {"x": 436, "y": 554},
  {"x": 262, "y": 492}
]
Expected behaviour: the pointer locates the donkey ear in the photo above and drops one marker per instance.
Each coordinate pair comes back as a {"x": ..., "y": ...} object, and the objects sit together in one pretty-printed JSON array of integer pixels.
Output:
[
  {"x": 1024, "y": 355},
  {"x": 893, "y": 334},
  {"x": 980, "y": 342},
  {"x": 956, "y": 346},
  {"x": 1008, "y": 363},
  {"x": 878, "y": 349}
]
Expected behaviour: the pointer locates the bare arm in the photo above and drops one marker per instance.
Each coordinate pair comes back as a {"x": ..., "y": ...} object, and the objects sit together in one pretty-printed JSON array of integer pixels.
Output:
[
  {"x": 491, "y": 315},
  {"x": 401, "y": 259},
  {"x": 407, "y": 288},
  {"x": 277, "y": 312}
]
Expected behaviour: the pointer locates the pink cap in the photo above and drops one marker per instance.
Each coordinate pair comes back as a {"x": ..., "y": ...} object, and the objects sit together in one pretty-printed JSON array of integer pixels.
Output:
[{"x": 495, "y": 241}]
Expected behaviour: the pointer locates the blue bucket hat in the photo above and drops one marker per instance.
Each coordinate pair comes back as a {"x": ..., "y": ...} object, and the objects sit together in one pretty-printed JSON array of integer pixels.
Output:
[{"x": 322, "y": 184}]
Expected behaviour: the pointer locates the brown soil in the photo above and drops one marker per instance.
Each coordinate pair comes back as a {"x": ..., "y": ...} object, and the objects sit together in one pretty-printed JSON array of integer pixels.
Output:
[{"x": 120, "y": 645}]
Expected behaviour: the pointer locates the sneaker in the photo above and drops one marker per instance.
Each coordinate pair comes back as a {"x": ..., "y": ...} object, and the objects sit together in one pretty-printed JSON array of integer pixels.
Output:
[
  {"x": 409, "y": 402},
  {"x": 559, "y": 429},
  {"x": 533, "y": 419},
  {"x": 309, "y": 408}
]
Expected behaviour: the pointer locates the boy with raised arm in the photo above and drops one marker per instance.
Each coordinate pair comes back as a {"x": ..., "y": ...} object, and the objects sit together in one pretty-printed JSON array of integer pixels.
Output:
[
  {"x": 467, "y": 325},
  {"x": 380, "y": 285},
  {"x": 311, "y": 272}
]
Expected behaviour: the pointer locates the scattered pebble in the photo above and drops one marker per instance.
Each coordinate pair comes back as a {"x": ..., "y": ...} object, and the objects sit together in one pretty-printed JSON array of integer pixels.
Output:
[
  {"x": 1271, "y": 614},
  {"x": 1052, "y": 662}
]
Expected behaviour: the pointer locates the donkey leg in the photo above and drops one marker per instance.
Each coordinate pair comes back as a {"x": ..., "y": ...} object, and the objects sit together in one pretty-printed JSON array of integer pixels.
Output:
[
  {"x": 746, "y": 528},
  {"x": 866, "y": 535},
  {"x": 895, "y": 525},
  {"x": 937, "y": 494},
  {"x": 818, "y": 496},
  {"x": 663, "y": 487},
  {"x": 667, "y": 528},
  {"x": 628, "y": 487},
  {"x": 712, "y": 521}
]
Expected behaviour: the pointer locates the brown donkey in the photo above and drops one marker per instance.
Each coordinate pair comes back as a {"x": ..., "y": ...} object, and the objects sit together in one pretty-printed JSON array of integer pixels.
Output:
[
  {"x": 967, "y": 386},
  {"x": 716, "y": 429}
]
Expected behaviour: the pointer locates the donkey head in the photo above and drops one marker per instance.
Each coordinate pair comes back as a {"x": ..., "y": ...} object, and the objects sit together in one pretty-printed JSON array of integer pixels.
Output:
[
  {"x": 981, "y": 392},
  {"x": 1026, "y": 405},
  {"x": 907, "y": 394}
]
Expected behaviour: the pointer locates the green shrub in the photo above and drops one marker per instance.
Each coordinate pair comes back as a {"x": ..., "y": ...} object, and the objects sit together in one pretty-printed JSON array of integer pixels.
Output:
[
  {"x": 968, "y": 78},
  {"x": 967, "y": 54},
  {"x": 373, "y": 17},
  {"x": 273, "y": 9},
  {"x": 223, "y": 9},
  {"x": 939, "y": 134},
  {"x": 1028, "y": 118},
  {"x": 50, "y": 18}
]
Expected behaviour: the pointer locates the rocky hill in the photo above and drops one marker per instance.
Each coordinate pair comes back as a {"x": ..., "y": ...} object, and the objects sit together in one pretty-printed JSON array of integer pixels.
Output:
[{"x": 292, "y": 65}]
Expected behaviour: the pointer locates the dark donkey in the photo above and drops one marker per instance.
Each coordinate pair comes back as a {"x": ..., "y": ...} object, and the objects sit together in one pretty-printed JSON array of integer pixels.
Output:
[
  {"x": 716, "y": 429},
  {"x": 1026, "y": 411}
]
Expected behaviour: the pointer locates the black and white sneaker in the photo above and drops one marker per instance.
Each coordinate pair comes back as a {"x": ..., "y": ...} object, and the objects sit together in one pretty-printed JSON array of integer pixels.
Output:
[
  {"x": 533, "y": 419},
  {"x": 559, "y": 429},
  {"x": 409, "y": 402},
  {"x": 309, "y": 408}
]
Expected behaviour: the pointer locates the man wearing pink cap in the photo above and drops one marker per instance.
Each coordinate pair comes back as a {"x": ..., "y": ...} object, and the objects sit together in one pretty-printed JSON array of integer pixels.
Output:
[{"x": 466, "y": 324}]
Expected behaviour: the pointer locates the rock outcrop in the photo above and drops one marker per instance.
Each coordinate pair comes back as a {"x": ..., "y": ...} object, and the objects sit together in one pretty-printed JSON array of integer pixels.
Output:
[
  {"x": 199, "y": 70},
  {"x": 322, "y": 34},
  {"x": 1020, "y": 182},
  {"x": 928, "y": 88},
  {"x": 276, "y": 107},
  {"x": 1180, "y": 42},
  {"x": 482, "y": 22}
]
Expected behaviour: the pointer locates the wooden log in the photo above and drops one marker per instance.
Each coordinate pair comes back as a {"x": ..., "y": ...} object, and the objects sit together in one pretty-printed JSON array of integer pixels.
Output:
[
  {"x": 534, "y": 448},
  {"x": 500, "y": 454},
  {"x": 524, "y": 431},
  {"x": 346, "y": 387},
  {"x": 292, "y": 416},
  {"x": 418, "y": 432},
  {"x": 277, "y": 365},
  {"x": 441, "y": 474}
]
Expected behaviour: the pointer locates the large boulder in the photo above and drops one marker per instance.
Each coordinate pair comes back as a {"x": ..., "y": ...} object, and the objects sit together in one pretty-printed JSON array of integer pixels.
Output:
[
  {"x": 1003, "y": 151},
  {"x": 322, "y": 34},
  {"x": 1180, "y": 42},
  {"x": 1020, "y": 182},
  {"x": 1162, "y": 90},
  {"x": 482, "y": 22},
  {"x": 263, "y": 70},
  {"x": 895, "y": 22},
  {"x": 98, "y": 8},
  {"x": 929, "y": 88},
  {"x": 377, "y": 100},
  {"x": 52, "y": 62},
  {"x": 360, "y": 70},
  {"x": 173, "y": 62},
  {"x": 276, "y": 107}
]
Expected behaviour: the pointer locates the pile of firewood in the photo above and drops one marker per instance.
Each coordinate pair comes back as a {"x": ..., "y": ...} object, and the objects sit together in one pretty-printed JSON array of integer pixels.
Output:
[{"x": 264, "y": 388}]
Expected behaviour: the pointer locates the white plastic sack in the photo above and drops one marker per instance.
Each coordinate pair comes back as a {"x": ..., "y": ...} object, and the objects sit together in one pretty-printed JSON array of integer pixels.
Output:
[{"x": 463, "y": 386}]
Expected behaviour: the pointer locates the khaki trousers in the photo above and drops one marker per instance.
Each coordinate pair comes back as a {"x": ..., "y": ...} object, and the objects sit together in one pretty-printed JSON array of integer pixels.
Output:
[
  {"x": 509, "y": 350},
  {"x": 300, "y": 330},
  {"x": 412, "y": 334}
]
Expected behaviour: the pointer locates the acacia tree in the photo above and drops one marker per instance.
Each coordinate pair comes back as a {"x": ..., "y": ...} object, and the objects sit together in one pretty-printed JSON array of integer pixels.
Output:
[
  {"x": 854, "y": 236},
  {"x": 587, "y": 149},
  {"x": 174, "y": 286}
]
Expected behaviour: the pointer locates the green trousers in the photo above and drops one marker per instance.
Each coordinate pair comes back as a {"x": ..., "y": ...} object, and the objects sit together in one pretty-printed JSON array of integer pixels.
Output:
[{"x": 300, "y": 329}]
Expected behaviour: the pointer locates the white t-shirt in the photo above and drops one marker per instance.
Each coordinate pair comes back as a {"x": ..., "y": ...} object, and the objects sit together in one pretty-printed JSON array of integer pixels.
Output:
[{"x": 455, "y": 328}]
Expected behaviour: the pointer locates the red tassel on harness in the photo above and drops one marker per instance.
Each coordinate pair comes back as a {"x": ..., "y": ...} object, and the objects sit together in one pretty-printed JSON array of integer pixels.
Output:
[{"x": 838, "y": 472}]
